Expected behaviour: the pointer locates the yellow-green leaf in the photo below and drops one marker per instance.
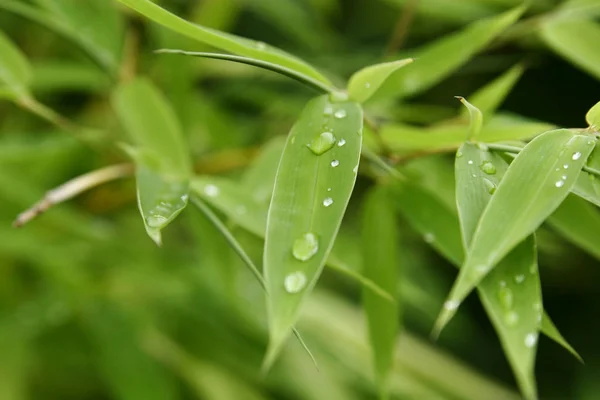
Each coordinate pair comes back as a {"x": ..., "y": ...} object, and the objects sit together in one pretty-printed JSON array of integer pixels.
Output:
[
  {"x": 15, "y": 71},
  {"x": 364, "y": 83},
  {"x": 593, "y": 116}
]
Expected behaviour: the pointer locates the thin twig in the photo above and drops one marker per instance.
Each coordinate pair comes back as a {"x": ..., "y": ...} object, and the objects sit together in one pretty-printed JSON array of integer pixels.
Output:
[
  {"x": 402, "y": 27},
  {"x": 72, "y": 188}
]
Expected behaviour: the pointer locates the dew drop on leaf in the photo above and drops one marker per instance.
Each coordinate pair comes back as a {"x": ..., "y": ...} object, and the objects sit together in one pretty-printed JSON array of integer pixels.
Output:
[
  {"x": 328, "y": 201},
  {"x": 322, "y": 144},
  {"x": 340, "y": 114},
  {"x": 341, "y": 142},
  {"x": 506, "y": 297},
  {"x": 335, "y": 163},
  {"x": 156, "y": 221},
  {"x": 576, "y": 156},
  {"x": 294, "y": 282},
  {"x": 305, "y": 247},
  {"x": 491, "y": 186},
  {"x": 566, "y": 166},
  {"x": 328, "y": 110},
  {"x": 511, "y": 318},
  {"x": 530, "y": 340},
  {"x": 470, "y": 162},
  {"x": 488, "y": 168},
  {"x": 559, "y": 183},
  {"x": 211, "y": 190},
  {"x": 429, "y": 237},
  {"x": 519, "y": 278},
  {"x": 451, "y": 305}
]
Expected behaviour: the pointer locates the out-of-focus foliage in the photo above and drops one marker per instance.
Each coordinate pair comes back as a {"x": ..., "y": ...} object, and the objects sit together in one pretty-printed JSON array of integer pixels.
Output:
[{"x": 91, "y": 308}]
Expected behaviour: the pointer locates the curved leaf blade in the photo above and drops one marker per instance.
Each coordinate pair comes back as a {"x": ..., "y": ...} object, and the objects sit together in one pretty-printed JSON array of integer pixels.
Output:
[
  {"x": 593, "y": 116},
  {"x": 364, "y": 83},
  {"x": 550, "y": 330},
  {"x": 380, "y": 259},
  {"x": 15, "y": 71},
  {"x": 162, "y": 160},
  {"x": 222, "y": 40},
  {"x": 309, "y": 200},
  {"x": 533, "y": 187}
]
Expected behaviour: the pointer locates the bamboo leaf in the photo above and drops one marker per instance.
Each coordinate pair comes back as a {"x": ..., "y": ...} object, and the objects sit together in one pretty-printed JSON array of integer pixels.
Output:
[
  {"x": 534, "y": 186},
  {"x": 439, "y": 59},
  {"x": 475, "y": 117},
  {"x": 300, "y": 77},
  {"x": 314, "y": 182},
  {"x": 550, "y": 330},
  {"x": 259, "y": 178},
  {"x": 511, "y": 292},
  {"x": 15, "y": 71},
  {"x": 593, "y": 116},
  {"x": 364, "y": 83},
  {"x": 222, "y": 40},
  {"x": 381, "y": 265},
  {"x": 162, "y": 160},
  {"x": 587, "y": 185},
  {"x": 575, "y": 40}
]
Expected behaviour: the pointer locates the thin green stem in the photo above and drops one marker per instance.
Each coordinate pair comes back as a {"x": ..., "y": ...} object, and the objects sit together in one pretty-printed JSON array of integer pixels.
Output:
[{"x": 375, "y": 159}]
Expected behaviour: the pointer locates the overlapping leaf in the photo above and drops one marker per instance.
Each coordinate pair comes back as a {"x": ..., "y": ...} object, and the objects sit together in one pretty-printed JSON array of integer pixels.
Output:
[
  {"x": 364, "y": 83},
  {"x": 314, "y": 182},
  {"x": 593, "y": 116},
  {"x": 15, "y": 71}
]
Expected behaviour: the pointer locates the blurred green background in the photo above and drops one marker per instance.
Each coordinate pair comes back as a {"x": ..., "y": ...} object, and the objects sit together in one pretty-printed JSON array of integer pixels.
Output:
[{"x": 90, "y": 308}]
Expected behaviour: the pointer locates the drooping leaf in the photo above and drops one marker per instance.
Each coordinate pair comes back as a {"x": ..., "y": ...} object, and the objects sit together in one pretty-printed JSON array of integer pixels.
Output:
[
  {"x": 511, "y": 292},
  {"x": 475, "y": 118},
  {"x": 15, "y": 71},
  {"x": 439, "y": 59},
  {"x": 314, "y": 182},
  {"x": 162, "y": 160},
  {"x": 300, "y": 77},
  {"x": 578, "y": 222},
  {"x": 364, "y": 83},
  {"x": 222, "y": 40},
  {"x": 489, "y": 97},
  {"x": 575, "y": 40},
  {"x": 381, "y": 265},
  {"x": 593, "y": 116},
  {"x": 533, "y": 187}
]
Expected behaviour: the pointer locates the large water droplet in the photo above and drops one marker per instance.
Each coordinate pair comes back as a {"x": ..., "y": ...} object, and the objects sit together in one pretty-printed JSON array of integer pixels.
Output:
[
  {"x": 156, "y": 221},
  {"x": 340, "y": 114},
  {"x": 488, "y": 168},
  {"x": 335, "y": 163},
  {"x": 491, "y": 186},
  {"x": 211, "y": 190},
  {"x": 322, "y": 144},
  {"x": 511, "y": 318},
  {"x": 576, "y": 156},
  {"x": 328, "y": 110},
  {"x": 328, "y": 201},
  {"x": 470, "y": 162},
  {"x": 531, "y": 339},
  {"x": 341, "y": 142},
  {"x": 451, "y": 305},
  {"x": 294, "y": 282},
  {"x": 506, "y": 297},
  {"x": 559, "y": 183},
  {"x": 305, "y": 247}
]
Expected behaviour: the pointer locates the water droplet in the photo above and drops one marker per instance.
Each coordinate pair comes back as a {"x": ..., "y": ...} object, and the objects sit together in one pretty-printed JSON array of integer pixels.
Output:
[
  {"x": 576, "y": 156},
  {"x": 261, "y": 45},
  {"x": 491, "y": 186},
  {"x": 511, "y": 318},
  {"x": 459, "y": 154},
  {"x": 328, "y": 201},
  {"x": 470, "y": 162},
  {"x": 328, "y": 110},
  {"x": 482, "y": 269},
  {"x": 560, "y": 183},
  {"x": 211, "y": 190},
  {"x": 305, "y": 247},
  {"x": 564, "y": 177},
  {"x": 184, "y": 197},
  {"x": 474, "y": 176},
  {"x": 340, "y": 114},
  {"x": 329, "y": 189},
  {"x": 322, "y": 144},
  {"x": 355, "y": 169},
  {"x": 429, "y": 237},
  {"x": 502, "y": 283},
  {"x": 519, "y": 278},
  {"x": 531, "y": 339},
  {"x": 294, "y": 282},
  {"x": 506, "y": 297},
  {"x": 156, "y": 221},
  {"x": 341, "y": 142},
  {"x": 335, "y": 163},
  {"x": 367, "y": 85},
  {"x": 488, "y": 168},
  {"x": 451, "y": 305},
  {"x": 566, "y": 166}
]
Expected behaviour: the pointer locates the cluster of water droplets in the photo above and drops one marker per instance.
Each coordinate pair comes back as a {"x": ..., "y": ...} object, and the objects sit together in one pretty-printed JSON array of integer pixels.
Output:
[
  {"x": 170, "y": 200},
  {"x": 303, "y": 249},
  {"x": 563, "y": 179}
]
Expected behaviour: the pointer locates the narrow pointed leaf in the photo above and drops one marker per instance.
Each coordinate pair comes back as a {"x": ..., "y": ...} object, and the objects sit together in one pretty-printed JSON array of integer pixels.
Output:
[
  {"x": 381, "y": 265},
  {"x": 593, "y": 116},
  {"x": 314, "y": 182},
  {"x": 162, "y": 160},
  {"x": 533, "y": 187},
  {"x": 578, "y": 222},
  {"x": 222, "y": 40},
  {"x": 300, "y": 77},
  {"x": 475, "y": 118},
  {"x": 588, "y": 184},
  {"x": 491, "y": 96},
  {"x": 550, "y": 330},
  {"x": 364, "y": 83},
  {"x": 575, "y": 40},
  {"x": 15, "y": 71},
  {"x": 511, "y": 292},
  {"x": 439, "y": 59}
]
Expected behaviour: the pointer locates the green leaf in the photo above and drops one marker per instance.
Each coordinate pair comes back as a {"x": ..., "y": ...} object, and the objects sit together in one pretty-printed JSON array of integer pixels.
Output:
[
  {"x": 550, "y": 330},
  {"x": 381, "y": 265},
  {"x": 511, "y": 292},
  {"x": 129, "y": 372},
  {"x": 439, "y": 59},
  {"x": 575, "y": 40},
  {"x": 578, "y": 222},
  {"x": 309, "y": 200},
  {"x": 259, "y": 178},
  {"x": 593, "y": 116},
  {"x": 403, "y": 137},
  {"x": 15, "y": 71},
  {"x": 364, "y": 83},
  {"x": 222, "y": 40},
  {"x": 489, "y": 97},
  {"x": 162, "y": 160},
  {"x": 475, "y": 117},
  {"x": 533, "y": 187},
  {"x": 587, "y": 185},
  {"x": 15, "y": 345},
  {"x": 300, "y": 77}
]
